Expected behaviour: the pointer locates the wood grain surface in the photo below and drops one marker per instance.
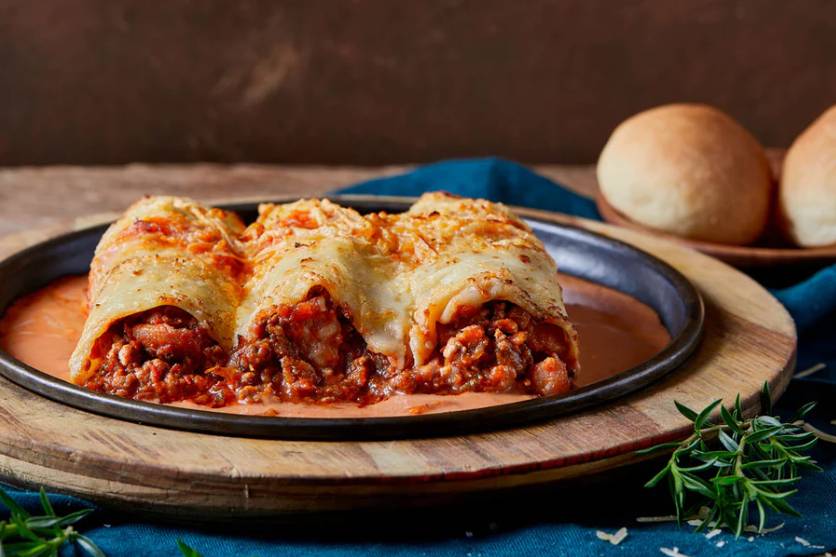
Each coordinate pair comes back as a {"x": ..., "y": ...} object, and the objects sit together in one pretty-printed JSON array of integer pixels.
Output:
[{"x": 749, "y": 339}]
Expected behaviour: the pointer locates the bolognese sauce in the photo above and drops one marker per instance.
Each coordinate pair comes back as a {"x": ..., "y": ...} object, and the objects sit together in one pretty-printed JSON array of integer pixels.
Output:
[
  {"x": 499, "y": 347},
  {"x": 308, "y": 351},
  {"x": 162, "y": 354},
  {"x": 311, "y": 352}
]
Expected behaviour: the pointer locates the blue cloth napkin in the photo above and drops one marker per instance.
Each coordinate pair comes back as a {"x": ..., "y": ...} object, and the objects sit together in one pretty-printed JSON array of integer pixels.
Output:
[
  {"x": 492, "y": 179},
  {"x": 554, "y": 524}
]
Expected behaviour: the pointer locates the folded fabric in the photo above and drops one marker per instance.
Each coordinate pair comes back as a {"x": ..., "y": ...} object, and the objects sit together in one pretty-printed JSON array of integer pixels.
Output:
[
  {"x": 493, "y": 179},
  {"x": 812, "y": 303}
]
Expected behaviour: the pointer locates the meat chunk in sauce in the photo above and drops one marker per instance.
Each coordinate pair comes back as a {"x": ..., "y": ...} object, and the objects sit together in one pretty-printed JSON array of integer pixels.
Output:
[
  {"x": 313, "y": 353},
  {"x": 162, "y": 354},
  {"x": 499, "y": 348}
]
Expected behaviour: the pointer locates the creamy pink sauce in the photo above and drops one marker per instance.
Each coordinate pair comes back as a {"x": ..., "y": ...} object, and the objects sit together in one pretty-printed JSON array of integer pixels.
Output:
[{"x": 616, "y": 332}]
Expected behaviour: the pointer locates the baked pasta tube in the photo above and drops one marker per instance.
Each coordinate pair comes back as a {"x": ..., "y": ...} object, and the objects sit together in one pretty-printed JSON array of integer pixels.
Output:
[
  {"x": 164, "y": 285},
  {"x": 323, "y": 318},
  {"x": 487, "y": 308}
]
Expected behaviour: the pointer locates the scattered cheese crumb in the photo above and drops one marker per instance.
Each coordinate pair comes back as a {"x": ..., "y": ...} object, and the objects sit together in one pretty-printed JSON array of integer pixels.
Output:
[
  {"x": 721, "y": 543},
  {"x": 751, "y": 538},
  {"x": 614, "y": 539},
  {"x": 754, "y": 529},
  {"x": 713, "y": 533},
  {"x": 698, "y": 522},
  {"x": 666, "y": 518},
  {"x": 805, "y": 543},
  {"x": 773, "y": 529},
  {"x": 672, "y": 552},
  {"x": 810, "y": 370}
]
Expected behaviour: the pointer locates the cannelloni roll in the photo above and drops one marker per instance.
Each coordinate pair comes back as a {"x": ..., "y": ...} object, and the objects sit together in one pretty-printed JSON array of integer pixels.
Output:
[
  {"x": 487, "y": 310},
  {"x": 323, "y": 317},
  {"x": 164, "y": 285}
]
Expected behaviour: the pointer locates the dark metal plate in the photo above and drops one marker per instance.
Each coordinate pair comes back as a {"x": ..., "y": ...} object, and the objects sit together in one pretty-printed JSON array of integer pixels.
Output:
[{"x": 578, "y": 252}]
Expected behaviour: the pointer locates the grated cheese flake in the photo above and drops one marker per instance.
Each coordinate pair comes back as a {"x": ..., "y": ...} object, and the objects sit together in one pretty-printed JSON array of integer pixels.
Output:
[
  {"x": 614, "y": 539},
  {"x": 754, "y": 529},
  {"x": 721, "y": 543},
  {"x": 666, "y": 518},
  {"x": 713, "y": 533},
  {"x": 810, "y": 370},
  {"x": 806, "y": 543},
  {"x": 698, "y": 522},
  {"x": 672, "y": 552}
]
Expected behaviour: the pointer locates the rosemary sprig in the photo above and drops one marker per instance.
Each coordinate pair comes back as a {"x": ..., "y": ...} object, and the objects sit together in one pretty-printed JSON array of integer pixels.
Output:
[
  {"x": 24, "y": 535},
  {"x": 737, "y": 465}
]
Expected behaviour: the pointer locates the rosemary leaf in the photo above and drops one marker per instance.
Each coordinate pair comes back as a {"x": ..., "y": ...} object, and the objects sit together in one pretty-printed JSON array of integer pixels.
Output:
[
  {"x": 45, "y": 503},
  {"x": 685, "y": 411},
  {"x": 88, "y": 546},
  {"x": 186, "y": 550},
  {"x": 702, "y": 418}
]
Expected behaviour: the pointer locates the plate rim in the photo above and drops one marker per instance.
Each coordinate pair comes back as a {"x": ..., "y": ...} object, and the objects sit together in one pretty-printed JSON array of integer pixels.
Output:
[{"x": 455, "y": 422}]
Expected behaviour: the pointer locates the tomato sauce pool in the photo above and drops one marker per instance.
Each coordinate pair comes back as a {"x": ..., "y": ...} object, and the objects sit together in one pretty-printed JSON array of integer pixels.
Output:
[{"x": 616, "y": 332}]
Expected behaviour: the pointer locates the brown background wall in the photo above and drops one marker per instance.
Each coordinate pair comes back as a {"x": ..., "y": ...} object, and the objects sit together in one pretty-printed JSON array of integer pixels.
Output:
[{"x": 377, "y": 81}]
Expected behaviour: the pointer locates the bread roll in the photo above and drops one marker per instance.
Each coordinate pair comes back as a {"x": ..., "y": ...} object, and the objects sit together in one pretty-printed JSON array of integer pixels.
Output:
[
  {"x": 689, "y": 170},
  {"x": 807, "y": 197}
]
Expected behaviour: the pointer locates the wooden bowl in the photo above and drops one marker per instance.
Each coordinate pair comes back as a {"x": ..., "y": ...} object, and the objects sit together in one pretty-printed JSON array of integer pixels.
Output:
[{"x": 743, "y": 257}]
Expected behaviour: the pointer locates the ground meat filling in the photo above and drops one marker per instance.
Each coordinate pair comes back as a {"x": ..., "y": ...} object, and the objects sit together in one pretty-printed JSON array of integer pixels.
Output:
[
  {"x": 162, "y": 354},
  {"x": 498, "y": 347},
  {"x": 311, "y": 352}
]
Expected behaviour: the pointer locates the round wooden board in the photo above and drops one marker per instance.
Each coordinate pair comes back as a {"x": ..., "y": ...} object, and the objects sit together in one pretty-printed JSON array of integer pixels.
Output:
[
  {"x": 744, "y": 257},
  {"x": 749, "y": 339}
]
